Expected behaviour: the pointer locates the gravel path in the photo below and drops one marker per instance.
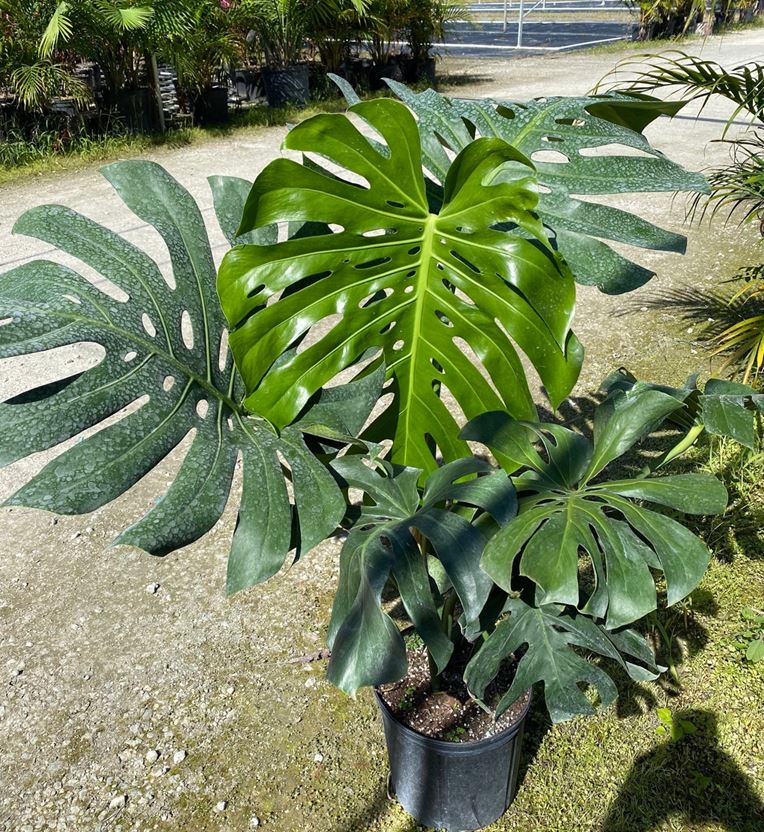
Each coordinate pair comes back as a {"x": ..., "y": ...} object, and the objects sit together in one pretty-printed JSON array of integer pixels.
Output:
[{"x": 133, "y": 694}]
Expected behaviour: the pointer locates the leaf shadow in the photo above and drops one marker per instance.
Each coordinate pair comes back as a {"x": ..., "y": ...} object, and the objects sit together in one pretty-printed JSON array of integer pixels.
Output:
[{"x": 694, "y": 779}]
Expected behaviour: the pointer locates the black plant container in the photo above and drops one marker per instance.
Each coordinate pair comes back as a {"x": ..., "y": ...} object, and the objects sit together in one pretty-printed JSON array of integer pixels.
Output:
[
  {"x": 287, "y": 86},
  {"x": 378, "y": 72},
  {"x": 456, "y": 786},
  {"x": 211, "y": 106},
  {"x": 137, "y": 109}
]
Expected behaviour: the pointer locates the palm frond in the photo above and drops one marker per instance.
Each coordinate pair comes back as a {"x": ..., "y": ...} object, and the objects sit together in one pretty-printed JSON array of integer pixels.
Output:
[
  {"x": 124, "y": 18},
  {"x": 59, "y": 28},
  {"x": 34, "y": 85},
  {"x": 737, "y": 188},
  {"x": 694, "y": 79}
]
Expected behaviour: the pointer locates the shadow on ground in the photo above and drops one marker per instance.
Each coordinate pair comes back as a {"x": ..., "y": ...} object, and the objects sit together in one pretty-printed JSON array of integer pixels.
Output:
[{"x": 693, "y": 778}]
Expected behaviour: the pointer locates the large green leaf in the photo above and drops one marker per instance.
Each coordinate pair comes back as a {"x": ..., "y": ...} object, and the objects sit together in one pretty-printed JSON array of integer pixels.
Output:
[
  {"x": 721, "y": 407},
  {"x": 550, "y": 637},
  {"x": 445, "y": 297},
  {"x": 574, "y": 128},
  {"x": 175, "y": 390},
  {"x": 366, "y": 647},
  {"x": 562, "y": 514}
]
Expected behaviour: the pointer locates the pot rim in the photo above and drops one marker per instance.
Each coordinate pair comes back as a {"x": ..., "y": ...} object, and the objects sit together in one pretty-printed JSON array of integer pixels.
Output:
[{"x": 444, "y": 746}]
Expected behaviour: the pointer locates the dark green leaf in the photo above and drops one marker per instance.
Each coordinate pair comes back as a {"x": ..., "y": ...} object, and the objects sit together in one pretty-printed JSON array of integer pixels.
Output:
[{"x": 188, "y": 393}]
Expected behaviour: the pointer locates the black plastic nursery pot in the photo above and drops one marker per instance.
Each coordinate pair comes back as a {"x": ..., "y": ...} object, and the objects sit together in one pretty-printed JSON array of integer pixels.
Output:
[
  {"x": 456, "y": 786},
  {"x": 211, "y": 106},
  {"x": 290, "y": 85},
  {"x": 137, "y": 109}
]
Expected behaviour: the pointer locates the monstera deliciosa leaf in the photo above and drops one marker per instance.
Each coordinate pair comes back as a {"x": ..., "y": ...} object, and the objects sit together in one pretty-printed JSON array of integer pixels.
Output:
[
  {"x": 367, "y": 647},
  {"x": 578, "y": 132},
  {"x": 165, "y": 360},
  {"x": 549, "y": 636},
  {"x": 566, "y": 509},
  {"x": 445, "y": 297}
]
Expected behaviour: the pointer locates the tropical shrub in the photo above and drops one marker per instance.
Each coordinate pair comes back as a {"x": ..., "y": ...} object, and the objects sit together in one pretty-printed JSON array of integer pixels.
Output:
[
  {"x": 412, "y": 290},
  {"x": 33, "y": 79}
]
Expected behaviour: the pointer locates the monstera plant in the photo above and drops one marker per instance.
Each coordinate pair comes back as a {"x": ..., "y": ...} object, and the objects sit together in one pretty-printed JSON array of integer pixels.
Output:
[{"x": 380, "y": 293}]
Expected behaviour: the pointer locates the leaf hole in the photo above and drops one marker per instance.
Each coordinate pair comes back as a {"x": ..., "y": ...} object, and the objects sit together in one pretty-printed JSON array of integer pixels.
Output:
[
  {"x": 129, "y": 356},
  {"x": 471, "y": 266},
  {"x": 398, "y": 345},
  {"x": 415, "y": 250},
  {"x": 229, "y": 422},
  {"x": 387, "y": 328},
  {"x": 202, "y": 408},
  {"x": 408, "y": 289},
  {"x": 168, "y": 383},
  {"x": 553, "y": 157},
  {"x": 376, "y": 297},
  {"x": 443, "y": 318},
  {"x": 437, "y": 366},
  {"x": 394, "y": 204},
  {"x": 73, "y": 299},
  {"x": 371, "y": 264},
  {"x": 223, "y": 351},
  {"x": 187, "y": 330},
  {"x": 148, "y": 325},
  {"x": 379, "y": 232}
]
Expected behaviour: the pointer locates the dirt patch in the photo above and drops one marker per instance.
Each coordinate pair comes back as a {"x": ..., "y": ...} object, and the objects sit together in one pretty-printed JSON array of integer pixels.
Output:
[{"x": 450, "y": 714}]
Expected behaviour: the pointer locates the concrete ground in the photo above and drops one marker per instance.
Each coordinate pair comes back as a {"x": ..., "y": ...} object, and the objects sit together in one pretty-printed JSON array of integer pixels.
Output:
[{"x": 180, "y": 709}]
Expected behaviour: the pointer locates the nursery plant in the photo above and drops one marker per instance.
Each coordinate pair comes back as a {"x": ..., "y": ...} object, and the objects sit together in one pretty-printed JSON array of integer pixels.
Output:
[{"x": 378, "y": 295}]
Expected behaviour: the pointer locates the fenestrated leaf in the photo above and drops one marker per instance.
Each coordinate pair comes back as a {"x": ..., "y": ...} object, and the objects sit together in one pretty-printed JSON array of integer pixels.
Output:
[
  {"x": 561, "y": 516},
  {"x": 176, "y": 391},
  {"x": 572, "y": 127},
  {"x": 403, "y": 280},
  {"x": 382, "y": 545},
  {"x": 548, "y": 659},
  {"x": 551, "y": 636}
]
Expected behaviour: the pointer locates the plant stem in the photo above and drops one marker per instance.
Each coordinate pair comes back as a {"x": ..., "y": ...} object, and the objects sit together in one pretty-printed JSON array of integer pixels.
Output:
[
  {"x": 667, "y": 640},
  {"x": 446, "y": 620}
]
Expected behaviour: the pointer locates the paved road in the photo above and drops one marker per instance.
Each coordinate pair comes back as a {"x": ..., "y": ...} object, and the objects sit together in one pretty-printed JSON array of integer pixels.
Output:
[{"x": 489, "y": 39}]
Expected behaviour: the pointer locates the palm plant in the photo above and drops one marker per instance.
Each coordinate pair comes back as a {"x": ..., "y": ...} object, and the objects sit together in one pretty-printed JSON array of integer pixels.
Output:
[
  {"x": 118, "y": 35},
  {"x": 736, "y": 189},
  {"x": 426, "y": 21},
  {"x": 283, "y": 26},
  {"x": 34, "y": 80},
  {"x": 385, "y": 24},
  {"x": 206, "y": 46}
]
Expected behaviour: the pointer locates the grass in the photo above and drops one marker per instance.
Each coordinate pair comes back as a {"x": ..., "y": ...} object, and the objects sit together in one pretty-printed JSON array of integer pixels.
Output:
[{"x": 21, "y": 160}]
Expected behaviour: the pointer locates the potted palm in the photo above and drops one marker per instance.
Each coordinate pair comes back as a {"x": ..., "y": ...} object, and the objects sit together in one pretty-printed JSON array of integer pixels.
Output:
[
  {"x": 425, "y": 25},
  {"x": 121, "y": 36},
  {"x": 391, "y": 287},
  {"x": 282, "y": 28},
  {"x": 202, "y": 56}
]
